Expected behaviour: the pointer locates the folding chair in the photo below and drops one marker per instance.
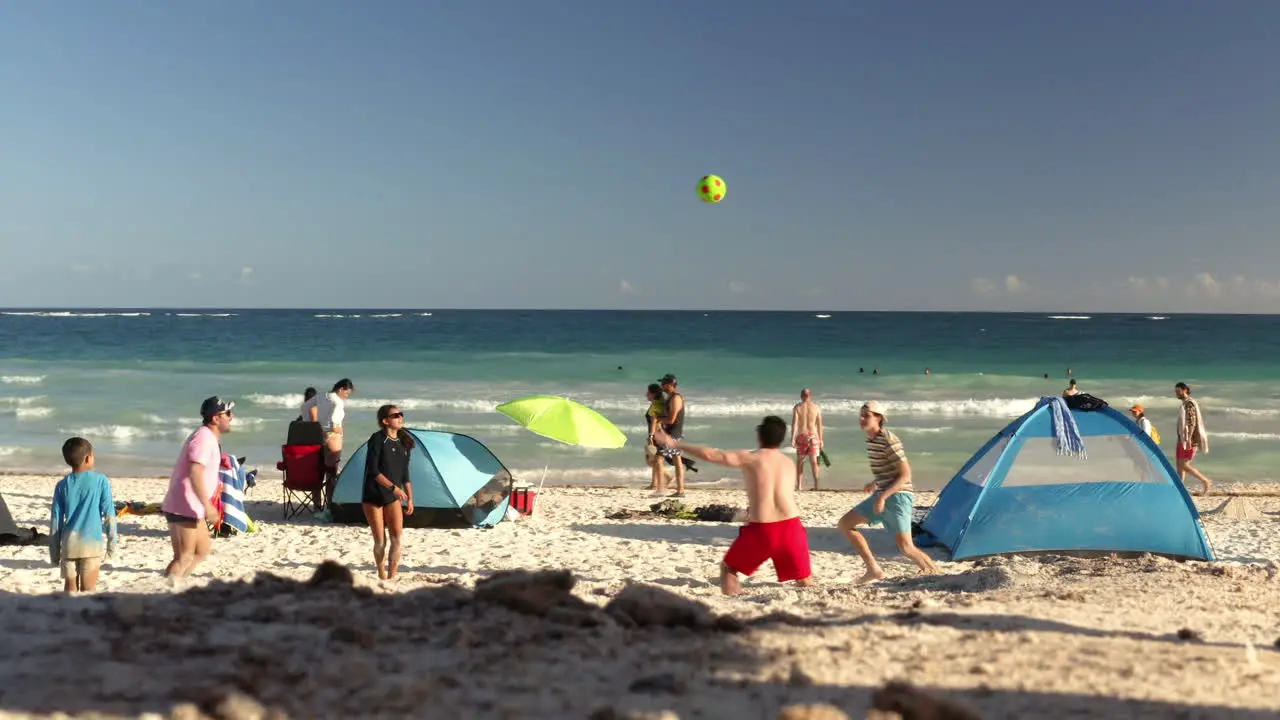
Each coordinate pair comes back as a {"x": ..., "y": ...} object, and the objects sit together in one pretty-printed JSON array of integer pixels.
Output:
[{"x": 303, "y": 467}]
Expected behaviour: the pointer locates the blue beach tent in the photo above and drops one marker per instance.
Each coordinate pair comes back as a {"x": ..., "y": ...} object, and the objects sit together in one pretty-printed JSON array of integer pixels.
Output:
[
  {"x": 1019, "y": 494},
  {"x": 457, "y": 482}
]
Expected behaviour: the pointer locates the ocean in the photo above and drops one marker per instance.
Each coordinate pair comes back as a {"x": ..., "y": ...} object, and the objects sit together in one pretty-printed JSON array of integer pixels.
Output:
[{"x": 131, "y": 381}]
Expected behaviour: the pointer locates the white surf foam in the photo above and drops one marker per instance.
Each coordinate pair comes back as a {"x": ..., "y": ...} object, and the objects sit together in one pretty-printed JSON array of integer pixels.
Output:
[
  {"x": 824, "y": 317},
  {"x": 1070, "y": 317},
  {"x": 13, "y": 402},
  {"x": 10, "y": 451},
  {"x": 1157, "y": 317},
  {"x": 1243, "y": 436},
  {"x": 33, "y": 412},
  {"x": 22, "y": 379},
  {"x": 69, "y": 314}
]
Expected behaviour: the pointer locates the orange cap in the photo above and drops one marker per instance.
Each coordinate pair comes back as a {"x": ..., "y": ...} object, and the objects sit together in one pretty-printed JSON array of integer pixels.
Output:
[{"x": 1138, "y": 409}]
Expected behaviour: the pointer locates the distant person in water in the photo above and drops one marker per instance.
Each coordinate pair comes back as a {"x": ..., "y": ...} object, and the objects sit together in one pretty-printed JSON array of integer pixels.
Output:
[
  {"x": 891, "y": 498},
  {"x": 1071, "y": 389},
  {"x": 927, "y": 371},
  {"x": 773, "y": 530},
  {"x": 806, "y": 436},
  {"x": 308, "y": 411},
  {"x": 1192, "y": 437}
]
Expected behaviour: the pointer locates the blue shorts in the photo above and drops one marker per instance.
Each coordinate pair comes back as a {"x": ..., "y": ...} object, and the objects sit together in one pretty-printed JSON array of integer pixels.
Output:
[{"x": 897, "y": 511}]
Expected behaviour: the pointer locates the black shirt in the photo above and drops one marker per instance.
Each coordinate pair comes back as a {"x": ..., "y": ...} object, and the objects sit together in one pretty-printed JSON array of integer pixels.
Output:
[{"x": 387, "y": 457}]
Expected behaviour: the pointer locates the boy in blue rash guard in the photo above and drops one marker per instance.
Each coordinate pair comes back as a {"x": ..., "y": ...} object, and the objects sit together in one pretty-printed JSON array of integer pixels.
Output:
[{"x": 82, "y": 525}]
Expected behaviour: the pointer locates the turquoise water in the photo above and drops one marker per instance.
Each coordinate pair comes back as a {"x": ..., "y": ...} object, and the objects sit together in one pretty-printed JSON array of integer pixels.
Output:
[{"x": 132, "y": 381}]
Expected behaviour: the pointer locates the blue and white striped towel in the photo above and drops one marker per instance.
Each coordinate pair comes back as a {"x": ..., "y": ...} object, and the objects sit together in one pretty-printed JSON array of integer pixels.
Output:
[
  {"x": 234, "y": 481},
  {"x": 1065, "y": 430}
]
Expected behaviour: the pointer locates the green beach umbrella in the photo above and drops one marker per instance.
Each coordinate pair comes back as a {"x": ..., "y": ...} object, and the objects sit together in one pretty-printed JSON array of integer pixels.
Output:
[{"x": 564, "y": 420}]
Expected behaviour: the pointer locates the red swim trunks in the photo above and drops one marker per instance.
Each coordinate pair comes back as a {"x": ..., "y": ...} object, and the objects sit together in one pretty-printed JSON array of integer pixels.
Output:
[
  {"x": 785, "y": 542},
  {"x": 806, "y": 444},
  {"x": 1186, "y": 452}
]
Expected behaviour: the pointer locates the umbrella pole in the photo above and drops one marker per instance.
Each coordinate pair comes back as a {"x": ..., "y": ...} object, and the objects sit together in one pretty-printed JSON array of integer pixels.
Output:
[{"x": 544, "y": 477}]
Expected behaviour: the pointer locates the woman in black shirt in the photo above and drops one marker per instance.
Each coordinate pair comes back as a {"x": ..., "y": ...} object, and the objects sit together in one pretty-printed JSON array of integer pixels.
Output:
[{"x": 386, "y": 485}]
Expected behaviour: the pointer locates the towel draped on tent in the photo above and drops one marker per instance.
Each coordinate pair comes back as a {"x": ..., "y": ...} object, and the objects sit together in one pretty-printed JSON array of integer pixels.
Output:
[{"x": 1065, "y": 431}]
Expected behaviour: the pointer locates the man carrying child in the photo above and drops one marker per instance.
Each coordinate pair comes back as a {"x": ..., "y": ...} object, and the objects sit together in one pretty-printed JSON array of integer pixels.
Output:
[
  {"x": 773, "y": 530},
  {"x": 82, "y": 524}
]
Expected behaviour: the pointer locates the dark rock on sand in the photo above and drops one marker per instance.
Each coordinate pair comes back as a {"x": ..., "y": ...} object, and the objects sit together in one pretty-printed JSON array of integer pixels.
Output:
[
  {"x": 535, "y": 593},
  {"x": 812, "y": 712},
  {"x": 330, "y": 573},
  {"x": 649, "y": 606},
  {"x": 912, "y": 704},
  {"x": 660, "y": 683},
  {"x": 1191, "y": 635}
]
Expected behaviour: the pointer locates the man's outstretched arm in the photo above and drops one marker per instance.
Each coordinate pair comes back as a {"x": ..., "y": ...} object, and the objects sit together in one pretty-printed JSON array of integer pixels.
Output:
[{"x": 728, "y": 458}]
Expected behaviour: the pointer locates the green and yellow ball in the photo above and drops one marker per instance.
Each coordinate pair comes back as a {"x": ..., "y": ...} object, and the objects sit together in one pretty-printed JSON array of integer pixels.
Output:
[{"x": 711, "y": 188}]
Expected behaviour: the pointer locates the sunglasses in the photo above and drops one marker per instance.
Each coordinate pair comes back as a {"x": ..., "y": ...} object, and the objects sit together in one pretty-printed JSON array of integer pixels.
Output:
[{"x": 395, "y": 416}]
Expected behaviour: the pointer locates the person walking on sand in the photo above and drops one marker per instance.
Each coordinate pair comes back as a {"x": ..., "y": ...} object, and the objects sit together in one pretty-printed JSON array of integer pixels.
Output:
[
  {"x": 773, "y": 530},
  {"x": 806, "y": 436},
  {"x": 891, "y": 498},
  {"x": 1140, "y": 417},
  {"x": 1192, "y": 437},
  {"x": 82, "y": 522},
  {"x": 673, "y": 427},
  {"x": 188, "y": 506},
  {"x": 386, "y": 486}
]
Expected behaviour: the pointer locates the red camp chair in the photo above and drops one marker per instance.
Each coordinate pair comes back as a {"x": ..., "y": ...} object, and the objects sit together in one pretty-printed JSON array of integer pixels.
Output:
[{"x": 303, "y": 467}]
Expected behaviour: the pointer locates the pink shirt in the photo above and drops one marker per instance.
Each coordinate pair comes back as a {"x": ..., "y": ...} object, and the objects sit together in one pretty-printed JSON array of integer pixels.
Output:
[{"x": 200, "y": 447}]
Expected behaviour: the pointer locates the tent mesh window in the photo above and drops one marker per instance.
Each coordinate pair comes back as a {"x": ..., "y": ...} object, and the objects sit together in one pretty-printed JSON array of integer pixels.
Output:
[{"x": 1111, "y": 458}]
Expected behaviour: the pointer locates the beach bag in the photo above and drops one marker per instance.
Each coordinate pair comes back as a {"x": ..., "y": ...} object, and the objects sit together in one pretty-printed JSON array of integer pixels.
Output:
[{"x": 1155, "y": 434}]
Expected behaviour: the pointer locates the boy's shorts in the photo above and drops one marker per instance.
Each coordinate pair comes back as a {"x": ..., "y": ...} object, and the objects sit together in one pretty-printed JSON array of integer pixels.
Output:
[
  {"x": 73, "y": 568},
  {"x": 785, "y": 542},
  {"x": 897, "y": 511},
  {"x": 1186, "y": 452}
]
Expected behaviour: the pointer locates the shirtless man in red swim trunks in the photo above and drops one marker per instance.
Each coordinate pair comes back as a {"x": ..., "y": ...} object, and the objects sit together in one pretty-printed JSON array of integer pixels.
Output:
[
  {"x": 806, "y": 435},
  {"x": 773, "y": 530}
]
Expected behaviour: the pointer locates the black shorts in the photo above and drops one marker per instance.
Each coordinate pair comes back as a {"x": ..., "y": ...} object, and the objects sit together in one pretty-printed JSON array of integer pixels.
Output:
[
  {"x": 375, "y": 494},
  {"x": 176, "y": 519}
]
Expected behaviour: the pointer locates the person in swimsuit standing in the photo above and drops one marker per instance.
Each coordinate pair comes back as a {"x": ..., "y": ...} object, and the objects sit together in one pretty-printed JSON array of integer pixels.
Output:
[
  {"x": 386, "y": 486},
  {"x": 673, "y": 427},
  {"x": 806, "y": 435}
]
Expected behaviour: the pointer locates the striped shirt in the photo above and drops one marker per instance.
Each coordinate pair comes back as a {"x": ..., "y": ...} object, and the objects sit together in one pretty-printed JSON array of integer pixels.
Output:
[{"x": 886, "y": 455}]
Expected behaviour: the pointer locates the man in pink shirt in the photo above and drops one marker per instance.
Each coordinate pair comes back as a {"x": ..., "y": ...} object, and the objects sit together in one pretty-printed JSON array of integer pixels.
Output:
[{"x": 189, "y": 503}]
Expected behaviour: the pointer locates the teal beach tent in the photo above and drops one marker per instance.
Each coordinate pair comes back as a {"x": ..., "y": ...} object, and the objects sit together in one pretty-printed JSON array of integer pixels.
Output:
[
  {"x": 1019, "y": 493},
  {"x": 457, "y": 482}
]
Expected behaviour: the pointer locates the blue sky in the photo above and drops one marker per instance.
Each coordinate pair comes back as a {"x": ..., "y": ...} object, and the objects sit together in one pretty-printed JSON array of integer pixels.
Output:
[{"x": 981, "y": 155}]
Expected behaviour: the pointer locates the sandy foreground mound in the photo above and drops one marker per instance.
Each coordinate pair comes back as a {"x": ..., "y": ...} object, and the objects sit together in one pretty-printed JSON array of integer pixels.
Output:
[
  {"x": 526, "y": 645},
  {"x": 638, "y": 629}
]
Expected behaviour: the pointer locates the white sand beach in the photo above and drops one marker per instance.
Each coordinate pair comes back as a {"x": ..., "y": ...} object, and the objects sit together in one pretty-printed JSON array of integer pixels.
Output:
[{"x": 1046, "y": 636}]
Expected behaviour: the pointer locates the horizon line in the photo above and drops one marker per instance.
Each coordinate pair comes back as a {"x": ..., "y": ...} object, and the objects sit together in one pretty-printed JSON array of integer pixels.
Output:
[{"x": 1057, "y": 313}]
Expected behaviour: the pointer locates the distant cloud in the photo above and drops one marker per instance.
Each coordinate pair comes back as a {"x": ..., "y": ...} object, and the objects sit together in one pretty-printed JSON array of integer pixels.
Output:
[
  {"x": 737, "y": 286},
  {"x": 625, "y": 287},
  {"x": 982, "y": 286},
  {"x": 246, "y": 275},
  {"x": 1013, "y": 285},
  {"x": 1204, "y": 285}
]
